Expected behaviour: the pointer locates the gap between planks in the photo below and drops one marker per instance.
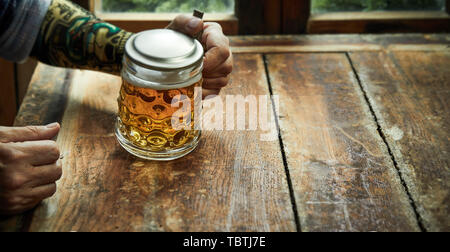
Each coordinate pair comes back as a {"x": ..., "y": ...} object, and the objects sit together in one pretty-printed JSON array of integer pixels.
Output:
[
  {"x": 283, "y": 153},
  {"x": 383, "y": 137}
]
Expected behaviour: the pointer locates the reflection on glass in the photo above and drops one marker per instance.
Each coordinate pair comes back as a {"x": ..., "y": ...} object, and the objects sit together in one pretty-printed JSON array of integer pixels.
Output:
[
  {"x": 168, "y": 6},
  {"x": 320, "y": 6}
]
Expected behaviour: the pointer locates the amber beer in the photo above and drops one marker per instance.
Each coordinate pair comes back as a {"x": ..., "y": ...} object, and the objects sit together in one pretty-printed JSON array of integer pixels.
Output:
[
  {"x": 162, "y": 69},
  {"x": 145, "y": 117}
]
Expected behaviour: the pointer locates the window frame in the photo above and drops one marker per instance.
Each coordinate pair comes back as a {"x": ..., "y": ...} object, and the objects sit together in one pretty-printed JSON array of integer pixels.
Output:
[
  {"x": 135, "y": 22},
  {"x": 259, "y": 17},
  {"x": 380, "y": 22}
]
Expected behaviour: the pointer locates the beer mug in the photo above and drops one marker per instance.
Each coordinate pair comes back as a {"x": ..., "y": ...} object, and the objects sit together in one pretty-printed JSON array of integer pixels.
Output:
[{"x": 162, "y": 69}]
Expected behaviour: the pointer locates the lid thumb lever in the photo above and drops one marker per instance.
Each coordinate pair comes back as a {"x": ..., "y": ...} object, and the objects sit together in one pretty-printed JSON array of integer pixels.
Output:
[{"x": 199, "y": 35}]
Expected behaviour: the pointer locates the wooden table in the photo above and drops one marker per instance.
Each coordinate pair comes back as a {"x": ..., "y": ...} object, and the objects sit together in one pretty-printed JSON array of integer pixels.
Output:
[{"x": 363, "y": 145}]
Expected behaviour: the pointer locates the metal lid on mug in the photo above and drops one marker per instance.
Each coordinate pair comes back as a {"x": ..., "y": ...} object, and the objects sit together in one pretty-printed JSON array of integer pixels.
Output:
[{"x": 163, "y": 50}]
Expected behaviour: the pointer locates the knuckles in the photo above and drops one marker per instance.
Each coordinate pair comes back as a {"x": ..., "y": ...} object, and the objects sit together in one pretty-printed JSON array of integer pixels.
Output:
[
  {"x": 228, "y": 68},
  {"x": 49, "y": 192},
  {"x": 225, "y": 81},
  {"x": 52, "y": 190},
  {"x": 213, "y": 25},
  {"x": 58, "y": 172},
  {"x": 16, "y": 156},
  {"x": 33, "y": 131},
  {"x": 12, "y": 201},
  {"x": 3, "y": 134},
  {"x": 5, "y": 152},
  {"x": 12, "y": 181},
  {"x": 224, "y": 52},
  {"x": 8, "y": 154},
  {"x": 53, "y": 150},
  {"x": 14, "y": 204}
]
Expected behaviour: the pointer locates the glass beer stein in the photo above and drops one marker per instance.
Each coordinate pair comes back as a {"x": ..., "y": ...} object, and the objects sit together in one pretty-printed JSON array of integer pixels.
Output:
[{"x": 161, "y": 70}]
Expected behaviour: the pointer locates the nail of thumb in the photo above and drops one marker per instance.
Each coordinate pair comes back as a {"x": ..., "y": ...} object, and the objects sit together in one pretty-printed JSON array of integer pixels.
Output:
[{"x": 52, "y": 125}]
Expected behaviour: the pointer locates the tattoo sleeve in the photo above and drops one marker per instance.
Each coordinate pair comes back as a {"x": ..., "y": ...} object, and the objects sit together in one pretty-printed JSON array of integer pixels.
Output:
[{"x": 73, "y": 37}]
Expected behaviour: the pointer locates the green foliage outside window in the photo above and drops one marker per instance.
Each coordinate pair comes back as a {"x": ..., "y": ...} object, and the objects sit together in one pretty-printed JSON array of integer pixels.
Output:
[
  {"x": 228, "y": 5},
  {"x": 374, "y": 5},
  {"x": 167, "y": 5}
]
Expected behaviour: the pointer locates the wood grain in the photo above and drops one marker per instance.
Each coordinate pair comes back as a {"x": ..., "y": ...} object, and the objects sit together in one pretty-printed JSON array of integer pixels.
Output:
[
  {"x": 344, "y": 39},
  {"x": 342, "y": 176},
  {"x": 231, "y": 182},
  {"x": 337, "y": 43},
  {"x": 43, "y": 104},
  {"x": 409, "y": 92},
  {"x": 46, "y": 97}
]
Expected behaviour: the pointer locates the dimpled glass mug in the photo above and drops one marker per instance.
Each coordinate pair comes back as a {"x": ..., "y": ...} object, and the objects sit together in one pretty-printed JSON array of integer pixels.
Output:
[{"x": 161, "y": 68}]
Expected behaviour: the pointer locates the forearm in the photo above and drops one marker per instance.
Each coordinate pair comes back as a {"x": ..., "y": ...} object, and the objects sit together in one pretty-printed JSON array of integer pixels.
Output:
[{"x": 72, "y": 37}]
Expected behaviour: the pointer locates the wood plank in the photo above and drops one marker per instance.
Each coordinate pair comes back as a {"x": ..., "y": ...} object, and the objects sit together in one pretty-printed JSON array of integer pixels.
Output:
[
  {"x": 46, "y": 97},
  {"x": 43, "y": 104},
  {"x": 294, "y": 40},
  {"x": 422, "y": 48},
  {"x": 409, "y": 92},
  {"x": 300, "y": 43},
  {"x": 231, "y": 182},
  {"x": 304, "y": 48},
  {"x": 8, "y": 93},
  {"x": 379, "y": 22},
  {"x": 342, "y": 176},
  {"x": 337, "y": 43},
  {"x": 346, "y": 39}
]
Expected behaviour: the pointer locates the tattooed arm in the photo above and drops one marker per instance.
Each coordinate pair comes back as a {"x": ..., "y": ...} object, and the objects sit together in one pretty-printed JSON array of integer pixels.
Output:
[{"x": 73, "y": 37}]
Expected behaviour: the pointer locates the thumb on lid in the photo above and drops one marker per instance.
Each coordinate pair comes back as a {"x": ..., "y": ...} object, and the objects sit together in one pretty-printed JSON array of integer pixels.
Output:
[{"x": 186, "y": 24}]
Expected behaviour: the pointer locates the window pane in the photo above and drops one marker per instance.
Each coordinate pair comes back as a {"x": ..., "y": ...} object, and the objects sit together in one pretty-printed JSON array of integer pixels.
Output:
[
  {"x": 168, "y": 6},
  {"x": 319, "y": 6}
]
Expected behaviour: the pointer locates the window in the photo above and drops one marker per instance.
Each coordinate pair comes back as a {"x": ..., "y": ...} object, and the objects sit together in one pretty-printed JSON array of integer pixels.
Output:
[
  {"x": 168, "y": 6},
  {"x": 320, "y": 6},
  {"x": 378, "y": 16},
  {"x": 252, "y": 17},
  {"x": 139, "y": 15}
]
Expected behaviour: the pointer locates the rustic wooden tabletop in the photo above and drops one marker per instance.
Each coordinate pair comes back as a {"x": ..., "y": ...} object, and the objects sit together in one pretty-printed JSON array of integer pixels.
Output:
[{"x": 363, "y": 145}]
